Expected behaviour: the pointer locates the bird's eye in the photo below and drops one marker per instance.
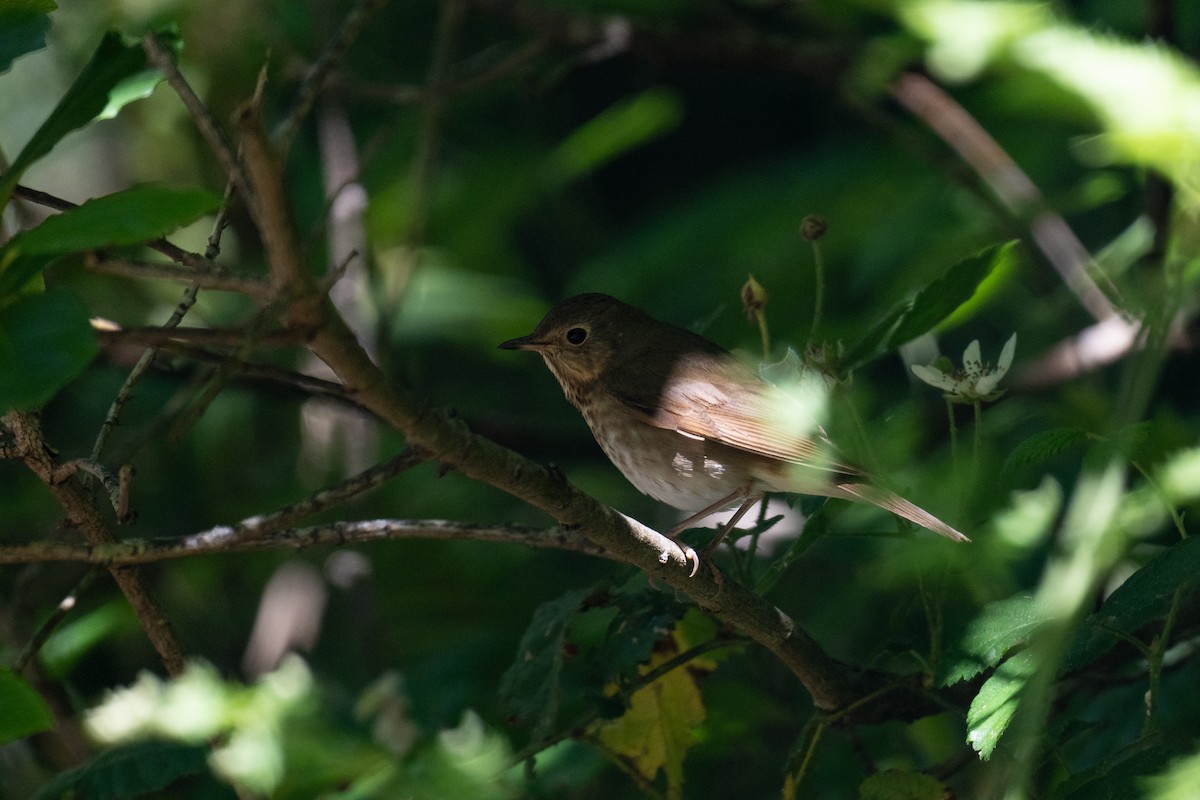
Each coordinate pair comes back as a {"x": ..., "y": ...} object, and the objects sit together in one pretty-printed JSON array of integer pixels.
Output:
[{"x": 577, "y": 335}]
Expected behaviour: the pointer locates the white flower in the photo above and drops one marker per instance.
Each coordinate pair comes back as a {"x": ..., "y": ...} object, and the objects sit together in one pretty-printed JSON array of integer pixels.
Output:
[{"x": 975, "y": 381}]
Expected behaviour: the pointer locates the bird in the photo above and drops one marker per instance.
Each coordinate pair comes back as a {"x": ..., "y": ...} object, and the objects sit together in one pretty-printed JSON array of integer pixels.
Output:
[{"x": 687, "y": 422}]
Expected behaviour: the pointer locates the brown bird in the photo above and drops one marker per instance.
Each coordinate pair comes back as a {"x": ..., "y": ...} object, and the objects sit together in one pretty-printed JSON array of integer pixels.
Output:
[{"x": 689, "y": 424}]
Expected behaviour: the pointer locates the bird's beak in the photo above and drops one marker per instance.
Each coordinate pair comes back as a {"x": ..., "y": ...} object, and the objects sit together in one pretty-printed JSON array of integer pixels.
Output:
[{"x": 521, "y": 343}]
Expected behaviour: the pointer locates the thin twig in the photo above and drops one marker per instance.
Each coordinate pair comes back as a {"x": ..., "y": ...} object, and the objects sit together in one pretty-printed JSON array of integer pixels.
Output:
[
  {"x": 219, "y": 279},
  {"x": 319, "y": 75},
  {"x": 51, "y": 623}
]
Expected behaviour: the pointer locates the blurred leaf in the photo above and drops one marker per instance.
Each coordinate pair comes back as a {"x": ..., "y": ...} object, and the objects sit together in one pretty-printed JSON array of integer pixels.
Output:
[
  {"x": 23, "y": 26},
  {"x": 1043, "y": 446},
  {"x": 24, "y": 710},
  {"x": 83, "y": 631},
  {"x": 45, "y": 341},
  {"x": 994, "y": 706},
  {"x": 530, "y": 685},
  {"x": 128, "y": 771},
  {"x": 131, "y": 216},
  {"x": 1120, "y": 776},
  {"x": 113, "y": 62},
  {"x": 616, "y": 130},
  {"x": 894, "y": 784},
  {"x": 998, "y": 628},
  {"x": 1144, "y": 597},
  {"x": 1178, "y": 782}
]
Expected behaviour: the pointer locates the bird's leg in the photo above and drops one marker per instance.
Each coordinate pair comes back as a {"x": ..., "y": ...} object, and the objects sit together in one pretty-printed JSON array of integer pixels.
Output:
[
  {"x": 746, "y": 505},
  {"x": 748, "y": 498},
  {"x": 741, "y": 493}
]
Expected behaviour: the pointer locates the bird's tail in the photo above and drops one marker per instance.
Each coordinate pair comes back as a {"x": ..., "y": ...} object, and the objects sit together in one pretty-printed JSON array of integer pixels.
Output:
[{"x": 890, "y": 501}]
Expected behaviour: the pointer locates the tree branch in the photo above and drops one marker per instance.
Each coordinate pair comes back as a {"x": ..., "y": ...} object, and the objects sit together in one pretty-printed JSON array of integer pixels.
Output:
[
  {"x": 81, "y": 513},
  {"x": 229, "y": 539}
]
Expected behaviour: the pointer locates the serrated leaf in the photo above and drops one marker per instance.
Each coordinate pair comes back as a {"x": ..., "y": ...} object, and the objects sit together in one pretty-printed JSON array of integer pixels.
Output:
[
  {"x": 86, "y": 99},
  {"x": 128, "y": 771},
  {"x": 130, "y": 216},
  {"x": 992, "y": 709},
  {"x": 655, "y": 732},
  {"x": 1144, "y": 597},
  {"x": 942, "y": 298},
  {"x": 530, "y": 685},
  {"x": 1043, "y": 446},
  {"x": 998, "y": 628},
  {"x": 24, "y": 711},
  {"x": 23, "y": 26},
  {"x": 894, "y": 784},
  {"x": 45, "y": 341},
  {"x": 643, "y": 619}
]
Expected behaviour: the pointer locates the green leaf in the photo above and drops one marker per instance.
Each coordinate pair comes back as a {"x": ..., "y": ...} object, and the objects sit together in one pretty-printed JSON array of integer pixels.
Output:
[
  {"x": 128, "y": 771},
  {"x": 1043, "y": 446},
  {"x": 45, "y": 341},
  {"x": 530, "y": 685},
  {"x": 132, "y": 216},
  {"x": 88, "y": 97},
  {"x": 642, "y": 619},
  {"x": 24, "y": 710},
  {"x": 932, "y": 305},
  {"x": 942, "y": 298},
  {"x": 894, "y": 784},
  {"x": 23, "y": 26},
  {"x": 998, "y": 628},
  {"x": 1144, "y": 597},
  {"x": 992, "y": 709}
]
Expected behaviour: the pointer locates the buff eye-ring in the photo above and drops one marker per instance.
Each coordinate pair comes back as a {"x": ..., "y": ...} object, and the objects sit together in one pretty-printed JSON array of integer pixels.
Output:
[{"x": 577, "y": 335}]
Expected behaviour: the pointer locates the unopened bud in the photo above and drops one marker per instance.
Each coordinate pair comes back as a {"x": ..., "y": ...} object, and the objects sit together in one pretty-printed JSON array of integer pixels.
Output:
[
  {"x": 754, "y": 297},
  {"x": 813, "y": 227}
]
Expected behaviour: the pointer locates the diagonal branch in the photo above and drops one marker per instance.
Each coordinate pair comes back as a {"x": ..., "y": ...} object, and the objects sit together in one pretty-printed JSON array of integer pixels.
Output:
[{"x": 83, "y": 514}]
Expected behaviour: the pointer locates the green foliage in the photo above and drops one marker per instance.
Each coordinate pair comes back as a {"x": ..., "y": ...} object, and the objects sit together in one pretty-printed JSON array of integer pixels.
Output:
[
  {"x": 128, "y": 771},
  {"x": 45, "y": 341},
  {"x": 660, "y": 152},
  {"x": 23, "y": 27},
  {"x": 897, "y": 785},
  {"x": 113, "y": 63},
  {"x": 932, "y": 305},
  {"x": 25, "y": 712}
]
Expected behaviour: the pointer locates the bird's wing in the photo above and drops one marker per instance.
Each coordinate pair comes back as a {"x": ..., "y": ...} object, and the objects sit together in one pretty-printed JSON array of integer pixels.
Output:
[{"x": 718, "y": 399}]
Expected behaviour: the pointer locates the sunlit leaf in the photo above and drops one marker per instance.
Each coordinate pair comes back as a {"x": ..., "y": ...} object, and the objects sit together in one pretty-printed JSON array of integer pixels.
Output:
[
  {"x": 998, "y": 628},
  {"x": 24, "y": 711},
  {"x": 992, "y": 709},
  {"x": 45, "y": 341},
  {"x": 656, "y": 731}
]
